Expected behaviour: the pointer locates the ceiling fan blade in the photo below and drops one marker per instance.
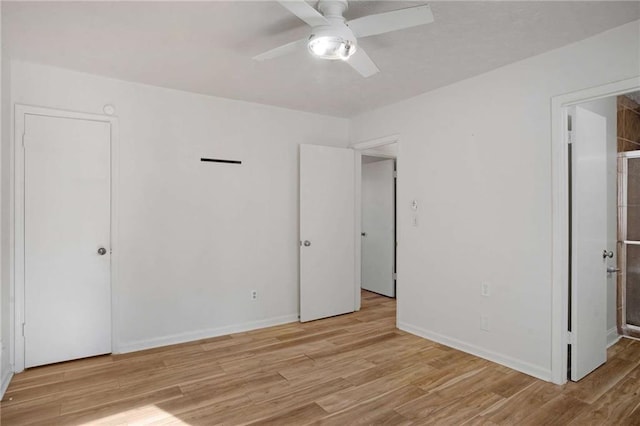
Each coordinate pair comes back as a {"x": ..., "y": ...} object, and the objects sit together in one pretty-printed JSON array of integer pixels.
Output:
[
  {"x": 391, "y": 21},
  {"x": 362, "y": 63},
  {"x": 304, "y": 11},
  {"x": 285, "y": 49}
]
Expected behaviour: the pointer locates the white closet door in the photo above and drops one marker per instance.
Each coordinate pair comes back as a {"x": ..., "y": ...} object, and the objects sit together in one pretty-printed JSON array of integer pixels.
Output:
[{"x": 67, "y": 238}]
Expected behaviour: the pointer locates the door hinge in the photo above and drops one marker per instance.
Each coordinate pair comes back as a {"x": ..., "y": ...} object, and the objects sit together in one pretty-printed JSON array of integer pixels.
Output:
[
  {"x": 571, "y": 338},
  {"x": 395, "y": 174},
  {"x": 395, "y": 275},
  {"x": 569, "y": 137}
]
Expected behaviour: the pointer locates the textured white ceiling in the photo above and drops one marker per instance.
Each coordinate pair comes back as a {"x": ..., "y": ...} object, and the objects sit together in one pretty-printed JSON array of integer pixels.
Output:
[{"x": 206, "y": 47}]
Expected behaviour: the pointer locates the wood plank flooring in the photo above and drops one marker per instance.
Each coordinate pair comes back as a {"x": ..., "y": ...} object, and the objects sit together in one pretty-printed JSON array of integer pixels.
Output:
[{"x": 352, "y": 369}]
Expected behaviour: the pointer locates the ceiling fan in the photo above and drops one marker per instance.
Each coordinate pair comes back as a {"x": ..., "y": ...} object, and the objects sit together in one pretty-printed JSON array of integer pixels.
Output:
[{"x": 333, "y": 37}]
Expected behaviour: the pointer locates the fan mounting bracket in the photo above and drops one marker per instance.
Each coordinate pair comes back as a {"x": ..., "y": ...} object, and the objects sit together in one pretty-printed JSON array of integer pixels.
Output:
[{"x": 333, "y": 8}]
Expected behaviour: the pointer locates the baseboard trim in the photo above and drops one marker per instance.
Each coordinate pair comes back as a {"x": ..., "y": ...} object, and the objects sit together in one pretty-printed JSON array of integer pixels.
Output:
[
  {"x": 6, "y": 379},
  {"x": 524, "y": 367},
  {"x": 202, "y": 334},
  {"x": 612, "y": 336}
]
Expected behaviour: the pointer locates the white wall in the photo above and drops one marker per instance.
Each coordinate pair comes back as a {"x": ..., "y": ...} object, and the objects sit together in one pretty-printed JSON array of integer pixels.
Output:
[
  {"x": 608, "y": 108},
  {"x": 4, "y": 359},
  {"x": 195, "y": 238},
  {"x": 476, "y": 156},
  {"x": 5, "y": 297}
]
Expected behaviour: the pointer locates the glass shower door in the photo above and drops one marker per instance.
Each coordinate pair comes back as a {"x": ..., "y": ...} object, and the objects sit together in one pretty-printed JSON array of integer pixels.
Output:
[{"x": 629, "y": 240}]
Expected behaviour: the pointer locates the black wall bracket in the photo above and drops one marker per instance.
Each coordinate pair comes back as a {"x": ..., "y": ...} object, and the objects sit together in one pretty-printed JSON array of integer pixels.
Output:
[{"x": 217, "y": 160}]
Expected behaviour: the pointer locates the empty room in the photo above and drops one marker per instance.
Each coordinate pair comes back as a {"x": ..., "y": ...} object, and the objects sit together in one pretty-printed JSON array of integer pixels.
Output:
[{"x": 320, "y": 212}]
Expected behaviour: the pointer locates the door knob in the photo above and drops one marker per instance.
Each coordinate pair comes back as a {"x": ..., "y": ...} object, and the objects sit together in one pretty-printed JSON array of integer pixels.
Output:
[
  {"x": 606, "y": 254},
  {"x": 307, "y": 243},
  {"x": 612, "y": 269},
  {"x": 102, "y": 251}
]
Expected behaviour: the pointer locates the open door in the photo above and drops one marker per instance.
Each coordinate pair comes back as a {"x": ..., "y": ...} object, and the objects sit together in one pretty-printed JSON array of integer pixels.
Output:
[
  {"x": 378, "y": 227},
  {"x": 327, "y": 228},
  {"x": 589, "y": 252}
]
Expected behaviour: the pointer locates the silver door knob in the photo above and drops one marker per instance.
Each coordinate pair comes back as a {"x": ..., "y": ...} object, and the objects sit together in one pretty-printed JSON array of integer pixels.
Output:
[
  {"x": 102, "y": 251},
  {"x": 612, "y": 269},
  {"x": 606, "y": 254},
  {"x": 307, "y": 243}
]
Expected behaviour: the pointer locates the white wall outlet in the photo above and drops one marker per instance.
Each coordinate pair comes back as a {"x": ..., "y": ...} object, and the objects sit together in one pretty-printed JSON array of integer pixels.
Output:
[
  {"x": 254, "y": 294},
  {"x": 484, "y": 289},
  {"x": 484, "y": 322}
]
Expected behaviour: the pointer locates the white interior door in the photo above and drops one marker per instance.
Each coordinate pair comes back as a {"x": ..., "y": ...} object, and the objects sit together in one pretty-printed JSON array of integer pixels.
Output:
[
  {"x": 67, "y": 222},
  {"x": 327, "y": 229},
  {"x": 378, "y": 233},
  {"x": 589, "y": 241}
]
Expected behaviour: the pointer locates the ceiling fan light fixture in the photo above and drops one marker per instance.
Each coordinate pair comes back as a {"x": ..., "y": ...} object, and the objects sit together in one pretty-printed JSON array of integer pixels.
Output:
[
  {"x": 331, "y": 47},
  {"x": 334, "y": 37}
]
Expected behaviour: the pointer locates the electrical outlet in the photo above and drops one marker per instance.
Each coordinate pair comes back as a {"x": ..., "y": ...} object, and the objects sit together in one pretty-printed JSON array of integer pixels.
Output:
[
  {"x": 484, "y": 322},
  {"x": 254, "y": 294},
  {"x": 484, "y": 289}
]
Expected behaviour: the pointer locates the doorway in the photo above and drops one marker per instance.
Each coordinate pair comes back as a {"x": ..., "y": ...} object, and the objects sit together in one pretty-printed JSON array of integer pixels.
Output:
[
  {"x": 376, "y": 150},
  {"x": 331, "y": 226},
  {"x": 63, "y": 235},
  {"x": 378, "y": 260},
  {"x": 566, "y": 244},
  {"x": 605, "y": 194}
]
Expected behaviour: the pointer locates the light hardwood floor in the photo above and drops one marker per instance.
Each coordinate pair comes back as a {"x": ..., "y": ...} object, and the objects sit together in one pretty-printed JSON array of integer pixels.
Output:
[{"x": 352, "y": 369}]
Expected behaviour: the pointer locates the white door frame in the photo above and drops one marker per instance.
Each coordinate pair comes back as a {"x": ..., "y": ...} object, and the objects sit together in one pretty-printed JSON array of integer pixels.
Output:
[
  {"x": 560, "y": 214},
  {"x": 17, "y": 220},
  {"x": 358, "y": 148}
]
